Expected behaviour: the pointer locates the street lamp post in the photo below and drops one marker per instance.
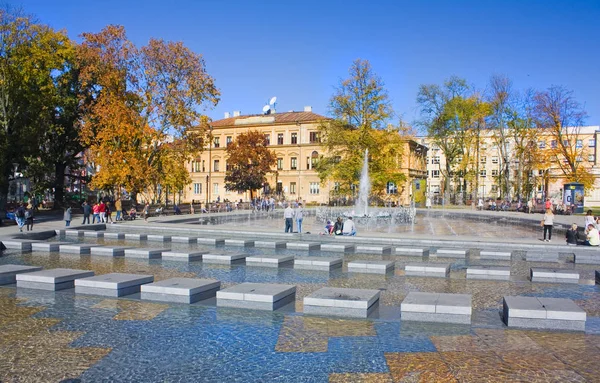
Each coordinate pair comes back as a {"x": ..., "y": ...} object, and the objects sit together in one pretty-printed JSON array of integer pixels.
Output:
[{"x": 208, "y": 177}]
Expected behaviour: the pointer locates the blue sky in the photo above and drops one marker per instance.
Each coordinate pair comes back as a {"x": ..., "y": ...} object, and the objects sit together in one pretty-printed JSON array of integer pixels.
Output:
[{"x": 299, "y": 50}]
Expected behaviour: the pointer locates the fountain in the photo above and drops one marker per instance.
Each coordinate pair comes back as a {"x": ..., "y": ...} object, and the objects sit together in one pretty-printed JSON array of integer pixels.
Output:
[{"x": 362, "y": 204}]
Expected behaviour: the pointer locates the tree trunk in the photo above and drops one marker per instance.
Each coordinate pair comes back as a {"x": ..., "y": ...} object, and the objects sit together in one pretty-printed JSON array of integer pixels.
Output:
[{"x": 59, "y": 185}]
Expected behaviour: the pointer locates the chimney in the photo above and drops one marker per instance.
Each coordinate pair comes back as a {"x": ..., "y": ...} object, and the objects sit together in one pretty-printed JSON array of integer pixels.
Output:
[
  {"x": 308, "y": 108},
  {"x": 227, "y": 115},
  {"x": 236, "y": 113}
]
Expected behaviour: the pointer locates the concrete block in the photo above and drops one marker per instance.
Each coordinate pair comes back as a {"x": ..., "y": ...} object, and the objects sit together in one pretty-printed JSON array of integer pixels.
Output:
[
  {"x": 185, "y": 256},
  {"x": 563, "y": 309},
  {"x": 136, "y": 237},
  {"x": 488, "y": 272},
  {"x": 158, "y": 238},
  {"x": 495, "y": 254},
  {"x": 436, "y": 307},
  {"x": 181, "y": 290},
  {"x": 239, "y": 242},
  {"x": 144, "y": 253},
  {"x": 413, "y": 251},
  {"x": 211, "y": 241},
  {"x": 459, "y": 304},
  {"x": 546, "y": 256},
  {"x": 341, "y": 302},
  {"x": 270, "y": 244},
  {"x": 543, "y": 313},
  {"x": 338, "y": 248},
  {"x": 436, "y": 318},
  {"x": 109, "y": 251},
  {"x": 47, "y": 246},
  {"x": 112, "y": 285},
  {"x": 74, "y": 233},
  {"x": 259, "y": 296},
  {"x": 374, "y": 249},
  {"x": 427, "y": 269},
  {"x": 8, "y": 272},
  {"x": 93, "y": 234},
  {"x": 587, "y": 258},
  {"x": 223, "y": 258},
  {"x": 553, "y": 275},
  {"x": 372, "y": 267},
  {"x": 76, "y": 248},
  {"x": 178, "y": 239},
  {"x": 269, "y": 260},
  {"x": 52, "y": 279},
  {"x": 317, "y": 263},
  {"x": 307, "y": 246},
  {"x": 114, "y": 235},
  {"x": 419, "y": 302},
  {"x": 17, "y": 244},
  {"x": 451, "y": 253}
]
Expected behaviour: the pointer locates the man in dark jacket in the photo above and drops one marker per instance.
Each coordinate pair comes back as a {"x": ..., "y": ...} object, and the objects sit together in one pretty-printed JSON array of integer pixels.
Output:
[
  {"x": 87, "y": 210},
  {"x": 338, "y": 227}
]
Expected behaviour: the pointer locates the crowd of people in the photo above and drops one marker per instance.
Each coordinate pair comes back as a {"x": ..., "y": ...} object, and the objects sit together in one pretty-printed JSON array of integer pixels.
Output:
[{"x": 341, "y": 227}]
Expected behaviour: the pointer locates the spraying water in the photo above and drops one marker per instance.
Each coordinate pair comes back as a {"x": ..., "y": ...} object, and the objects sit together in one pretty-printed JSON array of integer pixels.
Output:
[{"x": 362, "y": 205}]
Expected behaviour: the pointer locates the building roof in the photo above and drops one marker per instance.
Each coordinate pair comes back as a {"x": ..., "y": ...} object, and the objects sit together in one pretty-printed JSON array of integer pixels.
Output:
[{"x": 269, "y": 119}]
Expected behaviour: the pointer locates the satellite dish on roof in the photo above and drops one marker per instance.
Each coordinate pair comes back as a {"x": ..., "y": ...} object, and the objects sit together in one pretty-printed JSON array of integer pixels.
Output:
[
  {"x": 266, "y": 109},
  {"x": 273, "y": 100}
]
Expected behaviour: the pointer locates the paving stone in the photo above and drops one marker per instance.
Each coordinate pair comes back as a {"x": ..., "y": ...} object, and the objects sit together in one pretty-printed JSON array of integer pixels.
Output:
[
  {"x": 413, "y": 251},
  {"x": 427, "y": 269},
  {"x": 541, "y": 256},
  {"x": 178, "y": 239},
  {"x": 356, "y": 303},
  {"x": 371, "y": 267},
  {"x": 47, "y": 246},
  {"x": 259, "y": 296},
  {"x": 269, "y": 260},
  {"x": 223, "y": 258},
  {"x": 543, "y": 313},
  {"x": 8, "y": 272},
  {"x": 112, "y": 285},
  {"x": 488, "y": 272},
  {"x": 74, "y": 233},
  {"x": 52, "y": 279},
  {"x": 338, "y": 248},
  {"x": 270, "y": 244},
  {"x": 134, "y": 236},
  {"x": 109, "y": 251},
  {"x": 437, "y": 307},
  {"x": 587, "y": 258},
  {"x": 18, "y": 244},
  {"x": 317, "y": 263},
  {"x": 211, "y": 241},
  {"x": 495, "y": 254},
  {"x": 303, "y": 246},
  {"x": 144, "y": 253},
  {"x": 93, "y": 234},
  {"x": 76, "y": 248},
  {"x": 553, "y": 275},
  {"x": 185, "y": 256},
  {"x": 374, "y": 249},
  {"x": 158, "y": 238},
  {"x": 239, "y": 242},
  {"x": 114, "y": 235},
  {"x": 451, "y": 253},
  {"x": 181, "y": 290}
]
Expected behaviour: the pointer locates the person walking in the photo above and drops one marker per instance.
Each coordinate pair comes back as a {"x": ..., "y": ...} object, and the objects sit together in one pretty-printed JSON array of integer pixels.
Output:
[
  {"x": 299, "y": 213},
  {"x": 118, "y": 209},
  {"x": 288, "y": 215},
  {"x": 95, "y": 213},
  {"x": 67, "y": 217},
  {"x": 589, "y": 219},
  {"x": 87, "y": 210},
  {"x": 530, "y": 206},
  {"x": 29, "y": 218},
  {"x": 108, "y": 213},
  {"x": 146, "y": 211},
  {"x": 547, "y": 223},
  {"x": 102, "y": 211},
  {"x": 20, "y": 216}
]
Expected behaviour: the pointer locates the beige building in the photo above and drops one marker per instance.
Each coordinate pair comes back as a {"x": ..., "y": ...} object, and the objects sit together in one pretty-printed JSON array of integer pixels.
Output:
[
  {"x": 490, "y": 164},
  {"x": 294, "y": 138}
]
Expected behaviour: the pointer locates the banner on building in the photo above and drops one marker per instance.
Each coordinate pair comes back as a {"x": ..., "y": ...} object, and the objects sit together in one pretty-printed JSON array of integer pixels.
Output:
[
  {"x": 419, "y": 187},
  {"x": 573, "y": 195}
]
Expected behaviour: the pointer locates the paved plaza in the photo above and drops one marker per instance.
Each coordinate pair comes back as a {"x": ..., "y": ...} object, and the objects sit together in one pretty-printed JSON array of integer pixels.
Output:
[{"x": 458, "y": 296}]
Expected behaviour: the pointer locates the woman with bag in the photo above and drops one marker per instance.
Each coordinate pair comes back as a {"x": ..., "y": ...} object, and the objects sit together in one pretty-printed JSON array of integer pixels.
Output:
[{"x": 547, "y": 223}]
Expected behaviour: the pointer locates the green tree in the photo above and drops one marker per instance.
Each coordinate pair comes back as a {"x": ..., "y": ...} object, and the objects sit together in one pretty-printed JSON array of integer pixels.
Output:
[
  {"x": 361, "y": 113},
  {"x": 249, "y": 160}
]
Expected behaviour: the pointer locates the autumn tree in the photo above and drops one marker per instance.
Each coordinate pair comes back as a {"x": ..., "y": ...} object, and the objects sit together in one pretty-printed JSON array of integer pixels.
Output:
[
  {"x": 559, "y": 115},
  {"x": 138, "y": 101},
  {"x": 361, "y": 112},
  {"x": 31, "y": 56},
  {"x": 249, "y": 160}
]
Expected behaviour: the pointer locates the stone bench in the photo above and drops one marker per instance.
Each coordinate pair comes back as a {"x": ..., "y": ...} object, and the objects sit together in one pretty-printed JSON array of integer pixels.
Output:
[
  {"x": 53, "y": 279},
  {"x": 18, "y": 244},
  {"x": 223, "y": 258},
  {"x": 112, "y": 285},
  {"x": 269, "y": 260},
  {"x": 451, "y": 253},
  {"x": 47, "y": 246},
  {"x": 541, "y": 256},
  {"x": 436, "y": 307},
  {"x": 374, "y": 249},
  {"x": 185, "y": 256},
  {"x": 588, "y": 258},
  {"x": 144, "y": 253},
  {"x": 9, "y": 272},
  {"x": 93, "y": 234},
  {"x": 179, "y": 239},
  {"x": 76, "y": 248},
  {"x": 257, "y": 296},
  {"x": 354, "y": 303},
  {"x": 211, "y": 241},
  {"x": 338, "y": 248},
  {"x": 270, "y": 244},
  {"x": 136, "y": 237},
  {"x": 109, "y": 251},
  {"x": 553, "y": 275},
  {"x": 317, "y": 263},
  {"x": 158, "y": 238},
  {"x": 495, "y": 255},
  {"x": 114, "y": 235},
  {"x": 371, "y": 267},
  {"x": 180, "y": 290},
  {"x": 239, "y": 242},
  {"x": 489, "y": 272},
  {"x": 543, "y": 313},
  {"x": 413, "y": 251},
  {"x": 306, "y": 246},
  {"x": 74, "y": 233},
  {"x": 427, "y": 269}
]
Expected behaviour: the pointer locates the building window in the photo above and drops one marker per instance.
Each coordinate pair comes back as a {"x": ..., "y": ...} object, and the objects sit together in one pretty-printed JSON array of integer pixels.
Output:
[
  {"x": 336, "y": 187},
  {"x": 579, "y": 144},
  {"x": 494, "y": 172},
  {"x": 196, "y": 165},
  {"x": 427, "y": 159},
  {"x": 435, "y": 173},
  {"x": 215, "y": 189},
  {"x": 578, "y": 158},
  {"x": 565, "y": 143},
  {"x": 436, "y": 160},
  {"x": 280, "y": 164},
  {"x": 494, "y": 160},
  {"x": 541, "y": 144},
  {"x": 314, "y": 137},
  {"x": 553, "y": 144},
  {"x": 314, "y": 188},
  {"x": 216, "y": 166},
  {"x": 592, "y": 143},
  {"x": 591, "y": 158},
  {"x": 494, "y": 188},
  {"x": 197, "y": 188},
  {"x": 435, "y": 188},
  {"x": 483, "y": 159},
  {"x": 229, "y": 139},
  {"x": 292, "y": 188},
  {"x": 279, "y": 138},
  {"x": 216, "y": 142},
  {"x": 267, "y": 139},
  {"x": 203, "y": 167},
  {"x": 483, "y": 173},
  {"x": 294, "y": 138},
  {"x": 391, "y": 188},
  {"x": 540, "y": 172},
  {"x": 293, "y": 163}
]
